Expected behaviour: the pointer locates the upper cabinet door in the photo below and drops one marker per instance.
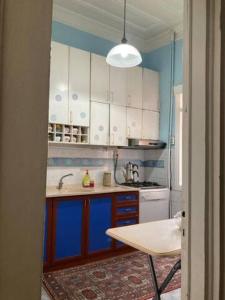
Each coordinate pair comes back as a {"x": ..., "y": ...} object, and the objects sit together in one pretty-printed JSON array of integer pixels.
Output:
[
  {"x": 134, "y": 122},
  {"x": 151, "y": 90},
  {"x": 99, "y": 123},
  {"x": 134, "y": 87},
  {"x": 79, "y": 87},
  {"x": 150, "y": 125},
  {"x": 118, "y": 125},
  {"x": 118, "y": 86},
  {"x": 99, "y": 79},
  {"x": 58, "y": 102}
]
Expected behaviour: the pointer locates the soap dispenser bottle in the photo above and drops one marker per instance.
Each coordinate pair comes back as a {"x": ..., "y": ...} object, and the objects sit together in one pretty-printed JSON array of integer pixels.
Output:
[{"x": 86, "y": 180}]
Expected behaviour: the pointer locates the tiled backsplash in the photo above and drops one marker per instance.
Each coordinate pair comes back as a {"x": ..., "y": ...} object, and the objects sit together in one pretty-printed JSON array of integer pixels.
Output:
[
  {"x": 156, "y": 166},
  {"x": 63, "y": 160}
]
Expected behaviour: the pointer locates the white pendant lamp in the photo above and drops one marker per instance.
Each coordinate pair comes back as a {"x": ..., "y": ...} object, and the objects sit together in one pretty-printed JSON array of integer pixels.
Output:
[{"x": 124, "y": 55}]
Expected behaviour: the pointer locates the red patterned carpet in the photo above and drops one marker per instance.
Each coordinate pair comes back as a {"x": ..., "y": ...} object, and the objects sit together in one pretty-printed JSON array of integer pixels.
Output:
[{"x": 123, "y": 277}]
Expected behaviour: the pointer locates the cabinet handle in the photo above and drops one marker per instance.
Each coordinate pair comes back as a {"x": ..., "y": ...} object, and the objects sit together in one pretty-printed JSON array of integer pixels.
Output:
[
  {"x": 113, "y": 138},
  {"x": 71, "y": 117},
  {"x": 128, "y": 131},
  {"x": 108, "y": 96},
  {"x": 112, "y": 96},
  {"x": 129, "y": 99}
]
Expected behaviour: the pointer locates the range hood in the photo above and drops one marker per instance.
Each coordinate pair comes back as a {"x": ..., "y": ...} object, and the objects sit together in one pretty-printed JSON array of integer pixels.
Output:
[{"x": 145, "y": 144}]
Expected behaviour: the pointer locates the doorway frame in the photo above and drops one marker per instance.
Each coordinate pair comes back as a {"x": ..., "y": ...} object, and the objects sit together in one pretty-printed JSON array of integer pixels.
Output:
[
  {"x": 201, "y": 176},
  {"x": 201, "y": 229}
]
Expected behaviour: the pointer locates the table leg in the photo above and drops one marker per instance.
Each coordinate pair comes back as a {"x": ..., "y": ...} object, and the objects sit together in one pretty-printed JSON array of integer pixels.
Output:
[
  {"x": 154, "y": 279},
  {"x": 159, "y": 290},
  {"x": 169, "y": 277}
]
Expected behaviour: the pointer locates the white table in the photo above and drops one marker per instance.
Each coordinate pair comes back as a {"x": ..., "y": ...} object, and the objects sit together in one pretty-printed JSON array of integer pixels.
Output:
[{"x": 160, "y": 238}]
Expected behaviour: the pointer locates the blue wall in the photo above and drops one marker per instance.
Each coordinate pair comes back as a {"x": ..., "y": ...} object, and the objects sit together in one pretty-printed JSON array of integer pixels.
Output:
[
  {"x": 158, "y": 60},
  {"x": 79, "y": 39}
]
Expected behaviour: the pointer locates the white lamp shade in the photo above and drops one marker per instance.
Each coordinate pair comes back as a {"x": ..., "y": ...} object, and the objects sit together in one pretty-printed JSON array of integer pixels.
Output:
[{"x": 124, "y": 56}]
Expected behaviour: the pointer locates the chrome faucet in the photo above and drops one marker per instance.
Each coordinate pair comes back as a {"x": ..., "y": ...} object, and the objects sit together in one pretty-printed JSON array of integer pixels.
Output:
[{"x": 60, "y": 185}]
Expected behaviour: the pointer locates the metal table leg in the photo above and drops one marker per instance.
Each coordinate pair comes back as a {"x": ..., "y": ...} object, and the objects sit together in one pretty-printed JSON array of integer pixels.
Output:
[
  {"x": 159, "y": 290},
  {"x": 154, "y": 279}
]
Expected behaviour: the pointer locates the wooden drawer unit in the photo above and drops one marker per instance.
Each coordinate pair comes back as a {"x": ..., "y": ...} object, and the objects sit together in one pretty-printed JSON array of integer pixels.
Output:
[
  {"x": 125, "y": 212},
  {"x": 126, "y": 222},
  {"x": 126, "y": 205},
  {"x": 126, "y": 197}
]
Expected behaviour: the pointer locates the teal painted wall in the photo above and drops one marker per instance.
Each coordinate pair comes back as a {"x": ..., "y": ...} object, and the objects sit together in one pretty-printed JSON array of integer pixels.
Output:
[
  {"x": 76, "y": 38},
  {"x": 158, "y": 60}
]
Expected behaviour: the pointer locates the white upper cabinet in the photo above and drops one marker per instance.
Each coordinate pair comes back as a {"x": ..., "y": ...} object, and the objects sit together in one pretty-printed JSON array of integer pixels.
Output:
[
  {"x": 99, "y": 123},
  {"x": 118, "y": 86},
  {"x": 134, "y": 123},
  {"x": 79, "y": 87},
  {"x": 99, "y": 79},
  {"x": 58, "y": 101},
  {"x": 150, "y": 125},
  {"x": 134, "y": 87},
  {"x": 118, "y": 125},
  {"x": 151, "y": 90}
]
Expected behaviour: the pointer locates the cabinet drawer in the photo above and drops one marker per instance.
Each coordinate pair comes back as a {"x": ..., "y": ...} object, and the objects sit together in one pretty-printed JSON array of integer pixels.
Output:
[
  {"x": 126, "y": 210},
  {"x": 127, "y": 197},
  {"x": 126, "y": 222}
]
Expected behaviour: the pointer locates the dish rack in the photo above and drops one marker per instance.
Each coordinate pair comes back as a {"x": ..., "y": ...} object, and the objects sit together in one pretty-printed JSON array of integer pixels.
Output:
[{"x": 68, "y": 134}]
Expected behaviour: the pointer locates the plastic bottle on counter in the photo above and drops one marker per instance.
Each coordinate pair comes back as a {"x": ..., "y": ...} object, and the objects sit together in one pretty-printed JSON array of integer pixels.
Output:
[{"x": 86, "y": 180}]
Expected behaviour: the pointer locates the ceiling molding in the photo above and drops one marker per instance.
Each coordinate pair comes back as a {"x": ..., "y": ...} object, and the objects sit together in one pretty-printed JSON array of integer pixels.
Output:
[
  {"x": 92, "y": 26},
  {"x": 83, "y": 23},
  {"x": 163, "y": 39}
]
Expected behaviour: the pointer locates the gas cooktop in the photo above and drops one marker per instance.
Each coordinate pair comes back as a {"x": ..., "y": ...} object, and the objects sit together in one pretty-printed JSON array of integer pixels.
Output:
[{"x": 144, "y": 185}]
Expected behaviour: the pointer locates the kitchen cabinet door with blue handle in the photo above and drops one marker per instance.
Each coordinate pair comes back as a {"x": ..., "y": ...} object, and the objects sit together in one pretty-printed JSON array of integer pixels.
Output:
[
  {"x": 99, "y": 221},
  {"x": 68, "y": 234}
]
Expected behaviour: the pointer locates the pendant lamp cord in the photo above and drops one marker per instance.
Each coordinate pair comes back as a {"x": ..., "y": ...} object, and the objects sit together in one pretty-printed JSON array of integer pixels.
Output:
[{"x": 124, "y": 40}]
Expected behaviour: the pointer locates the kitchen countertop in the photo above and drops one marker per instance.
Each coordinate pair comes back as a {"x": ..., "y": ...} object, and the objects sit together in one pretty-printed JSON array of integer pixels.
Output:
[{"x": 73, "y": 190}]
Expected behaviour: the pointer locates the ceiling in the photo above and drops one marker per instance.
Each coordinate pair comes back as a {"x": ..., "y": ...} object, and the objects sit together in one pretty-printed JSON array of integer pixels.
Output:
[{"x": 149, "y": 22}]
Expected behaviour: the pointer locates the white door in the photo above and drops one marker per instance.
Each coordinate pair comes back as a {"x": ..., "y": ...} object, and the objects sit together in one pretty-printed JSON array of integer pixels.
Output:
[
  {"x": 134, "y": 87},
  {"x": 118, "y": 86},
  {"x": 58, "y": 101},
  {"x": 79, "y": 87},
  {"x": 118, "y": 125},
  {"x": 99, "y": 79},
  {"x": 151, "y": 90},
  {"x": 134, "y": 123},
  {"x": 99, "y": 123},
  {"x": 150, "y": 125}
]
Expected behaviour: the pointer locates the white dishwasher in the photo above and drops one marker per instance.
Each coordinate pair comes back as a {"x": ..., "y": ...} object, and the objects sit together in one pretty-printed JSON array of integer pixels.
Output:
[{"x": 154, "y": 204}]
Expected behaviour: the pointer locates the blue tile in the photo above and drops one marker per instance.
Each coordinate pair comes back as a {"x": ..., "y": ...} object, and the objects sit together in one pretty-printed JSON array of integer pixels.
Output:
[
  {"x": 154, "y": 163},
  {"x": 88, "y": 162}
]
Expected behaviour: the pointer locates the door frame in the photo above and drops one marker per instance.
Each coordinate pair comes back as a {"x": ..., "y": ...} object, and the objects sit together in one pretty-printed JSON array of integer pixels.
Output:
[
  {"x": 201, "y": 151},
  {"x": 222, "y": 149},
  {"x": 25, "y": 35},
  {"x": 201, "y": 253}
]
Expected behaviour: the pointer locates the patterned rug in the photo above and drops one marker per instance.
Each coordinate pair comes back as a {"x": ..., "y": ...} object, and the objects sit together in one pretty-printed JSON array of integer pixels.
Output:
[{"x": 123, "y": 277}]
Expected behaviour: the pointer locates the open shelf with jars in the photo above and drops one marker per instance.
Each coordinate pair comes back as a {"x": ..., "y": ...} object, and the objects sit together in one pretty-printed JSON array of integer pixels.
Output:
[{"x": 68, "y": 134}]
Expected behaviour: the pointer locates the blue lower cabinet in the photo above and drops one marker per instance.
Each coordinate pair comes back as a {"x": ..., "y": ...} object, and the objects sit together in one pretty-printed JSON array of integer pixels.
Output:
[
  {"x": 68, "y": 239},
  {"x": 45, "y": 258},
  {"x": 100, "y": 219}
]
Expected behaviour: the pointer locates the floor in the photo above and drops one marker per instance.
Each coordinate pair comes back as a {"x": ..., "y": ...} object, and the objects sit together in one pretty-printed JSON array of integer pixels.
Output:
[{"x": 174, "y": 295}]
